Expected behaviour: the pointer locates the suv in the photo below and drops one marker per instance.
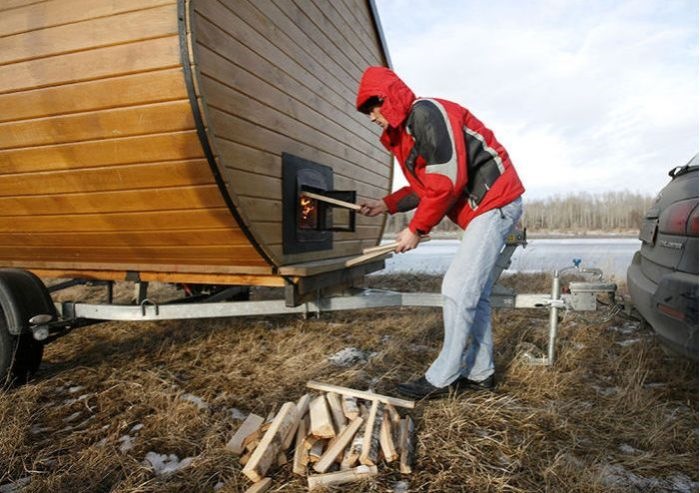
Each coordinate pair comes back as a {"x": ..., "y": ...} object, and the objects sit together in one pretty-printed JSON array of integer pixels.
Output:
[{"x": 663, "y": 277}]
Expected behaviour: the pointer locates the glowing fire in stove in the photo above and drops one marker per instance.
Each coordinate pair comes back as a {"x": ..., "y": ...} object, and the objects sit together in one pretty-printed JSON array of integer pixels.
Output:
[{"x": 307, "y": 213}]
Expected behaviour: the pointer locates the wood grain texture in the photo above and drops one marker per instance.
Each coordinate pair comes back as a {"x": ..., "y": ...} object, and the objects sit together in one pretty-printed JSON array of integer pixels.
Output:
[
  {"x": 101, "y": 179},
  {"x": 99, "y": 160},
  {"x": 89, "y": 34},
  {"x": 52, "y": 13},
  {"x": 105, "y": 152},
  {"x": 113, "y": 92},
  {"x": 269, "y": 84},
  {"x": 109, "y": 61},
  {"x": 172, "y": 116}
]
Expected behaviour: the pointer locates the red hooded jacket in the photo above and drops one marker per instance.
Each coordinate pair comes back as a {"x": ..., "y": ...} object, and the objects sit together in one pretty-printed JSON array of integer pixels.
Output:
[{"x": 453, "y": 163}]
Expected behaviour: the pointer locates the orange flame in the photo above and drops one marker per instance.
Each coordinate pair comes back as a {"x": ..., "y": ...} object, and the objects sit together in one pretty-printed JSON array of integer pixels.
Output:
[{"x": 307, "y": 208}]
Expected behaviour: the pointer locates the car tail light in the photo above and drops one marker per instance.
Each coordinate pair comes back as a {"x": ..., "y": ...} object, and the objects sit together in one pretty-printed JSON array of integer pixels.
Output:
[
  {"x": 671, "y": 312},
  {"x": 693, "y": 223},
  {"x": 677, "y": 218}
]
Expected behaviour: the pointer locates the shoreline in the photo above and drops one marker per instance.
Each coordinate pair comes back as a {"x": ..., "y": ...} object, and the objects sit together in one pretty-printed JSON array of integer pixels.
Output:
[{"x": 630, "y": 235}]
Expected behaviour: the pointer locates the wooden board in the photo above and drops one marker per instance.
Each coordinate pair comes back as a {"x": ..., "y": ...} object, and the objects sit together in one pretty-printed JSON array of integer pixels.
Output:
[
  {"x": 140, "y": 56},
  {"x": 89, "y": 34},
  {"x": 360, "y": 394},
  {"x": 59, "y": 12},
  {"x": 270, "y": 85},
  {"x": 117, "y": 177},
  {"x": 113, "y": 92}
]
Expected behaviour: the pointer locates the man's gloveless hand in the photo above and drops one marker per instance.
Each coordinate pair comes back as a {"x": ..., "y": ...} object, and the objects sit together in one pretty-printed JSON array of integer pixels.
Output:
[
  {"x": 407, "y": 240},
  {"x": 372, "y": 208}
]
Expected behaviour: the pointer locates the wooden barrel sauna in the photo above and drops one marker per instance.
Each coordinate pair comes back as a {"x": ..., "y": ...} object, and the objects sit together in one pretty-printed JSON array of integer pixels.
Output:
[{"x": 145, "y": 138}]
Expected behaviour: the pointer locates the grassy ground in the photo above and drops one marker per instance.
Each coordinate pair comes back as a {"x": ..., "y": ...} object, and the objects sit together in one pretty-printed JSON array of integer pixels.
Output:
[{"x": 614, "y": 414}]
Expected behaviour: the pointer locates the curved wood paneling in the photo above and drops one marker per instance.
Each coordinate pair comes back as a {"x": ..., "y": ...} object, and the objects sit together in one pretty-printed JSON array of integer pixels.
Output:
[
  {"x": 105, "y": 164},
  {"x": 274, "y": 78},
  {"x": 100, "y": 163}
]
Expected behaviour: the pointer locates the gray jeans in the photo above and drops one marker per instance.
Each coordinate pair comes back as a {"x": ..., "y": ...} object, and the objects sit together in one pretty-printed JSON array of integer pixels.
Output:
[{"x": 467, "y": 348}]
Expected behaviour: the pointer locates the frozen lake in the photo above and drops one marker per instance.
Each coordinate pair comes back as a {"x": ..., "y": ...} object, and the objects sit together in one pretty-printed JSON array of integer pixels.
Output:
[{"x": 612, "y": 255}]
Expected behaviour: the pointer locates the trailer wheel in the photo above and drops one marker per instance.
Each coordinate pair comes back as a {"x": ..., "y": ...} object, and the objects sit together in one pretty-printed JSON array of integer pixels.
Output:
[
  {"x": 20, "y": 356},
  {"x": 22, "y": 296}
]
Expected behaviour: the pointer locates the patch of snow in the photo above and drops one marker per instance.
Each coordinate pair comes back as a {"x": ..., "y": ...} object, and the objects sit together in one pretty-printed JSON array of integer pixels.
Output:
[
  {"x": 101, "y": 443},
  {"x": 626, "y": 328},
  {"x": 15, "y": 486},
  {"x": 127, "y": 443},
  {"x": 627, "y": 342},
  {"x": 237, "y": 414},
  {"x": 197, "y": 401},
  {"x": 655, "y": 385},
  {"x": 166, "y": 463},
  {"x": 348, "y": 357},
  {"x": 628, "y": 449},
  {"x": 77, "y": 388},
  {"x": 218, "y": 486},
  {"x": 72, "y": 417},
  {"x": 136, "y": 427},
  {"x": 401, "y": 487},
  {"x": 616, "y": 475}
]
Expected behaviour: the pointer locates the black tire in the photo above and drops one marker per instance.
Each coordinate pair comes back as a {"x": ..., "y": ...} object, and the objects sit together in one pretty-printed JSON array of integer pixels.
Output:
[
  {"x": 20, "y": 356},
  {"x": 22, "y": 295}
]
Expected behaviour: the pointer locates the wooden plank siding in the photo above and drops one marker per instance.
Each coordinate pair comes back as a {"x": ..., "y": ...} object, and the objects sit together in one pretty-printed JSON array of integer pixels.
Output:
[
  {"x": 102, "y": 170},
  {"x": 101, "y": 167},
  {"x": 281, "y": 77}
]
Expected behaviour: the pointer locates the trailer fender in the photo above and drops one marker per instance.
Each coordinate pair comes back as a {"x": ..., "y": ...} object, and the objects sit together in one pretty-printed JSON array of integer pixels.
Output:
[{"x": 22, "y": 296}]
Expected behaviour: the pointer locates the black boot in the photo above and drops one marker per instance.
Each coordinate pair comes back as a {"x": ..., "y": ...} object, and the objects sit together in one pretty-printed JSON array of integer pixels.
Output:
[
  {"x": 422, "y": 389},
  {"x": 466, "y": 384}
]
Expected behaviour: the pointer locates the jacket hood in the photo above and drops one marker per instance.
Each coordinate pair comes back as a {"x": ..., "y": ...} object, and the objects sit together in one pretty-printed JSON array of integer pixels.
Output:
[{"x": 396, "y": 95}]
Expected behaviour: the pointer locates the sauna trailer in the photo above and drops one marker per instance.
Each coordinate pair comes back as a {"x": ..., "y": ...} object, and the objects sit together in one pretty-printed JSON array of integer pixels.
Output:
[{"x": 173, "y": 141}]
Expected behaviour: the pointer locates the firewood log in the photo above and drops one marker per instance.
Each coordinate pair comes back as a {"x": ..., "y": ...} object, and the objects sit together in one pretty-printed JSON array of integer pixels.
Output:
[
  {"x": 338, "y": 445},
  {"x": 407, "y": 445},
  {"x": 370, "y": 443},
  {"x": 336, "y": 409},
  {"x": 350, "y": 408},
  {"x": 321, "y": 422},
  {"x": 341, "y": 477},
  {"x": 386, "y": 439},
  {"x": 249, "y": 427},
  {"x": 271, "y": 443}
]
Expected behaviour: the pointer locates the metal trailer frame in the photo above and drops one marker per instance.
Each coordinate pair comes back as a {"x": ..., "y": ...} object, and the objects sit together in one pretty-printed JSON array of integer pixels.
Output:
[{"x": 582, "y": 296}]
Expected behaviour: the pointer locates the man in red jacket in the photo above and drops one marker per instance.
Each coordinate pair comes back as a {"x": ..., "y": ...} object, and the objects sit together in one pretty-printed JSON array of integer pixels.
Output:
[{"x": 455, "y": 167}]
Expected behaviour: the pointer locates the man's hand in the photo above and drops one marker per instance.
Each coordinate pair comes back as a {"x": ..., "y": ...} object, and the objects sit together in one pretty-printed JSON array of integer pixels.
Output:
[
  {"x": 407, "y": 240},
  {"x": 372, "y": 208}
]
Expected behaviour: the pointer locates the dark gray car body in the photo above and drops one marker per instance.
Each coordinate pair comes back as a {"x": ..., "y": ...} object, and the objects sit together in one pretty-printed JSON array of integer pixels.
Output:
[{"x": 664, "y": 272}]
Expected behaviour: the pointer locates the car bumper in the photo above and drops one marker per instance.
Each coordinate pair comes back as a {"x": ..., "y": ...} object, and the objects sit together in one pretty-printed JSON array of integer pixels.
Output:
[{"x": 670, "y": 307}]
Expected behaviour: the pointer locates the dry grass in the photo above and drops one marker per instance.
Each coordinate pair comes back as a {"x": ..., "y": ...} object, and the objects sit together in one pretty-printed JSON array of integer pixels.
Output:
[{"x": 610, "y": 416}]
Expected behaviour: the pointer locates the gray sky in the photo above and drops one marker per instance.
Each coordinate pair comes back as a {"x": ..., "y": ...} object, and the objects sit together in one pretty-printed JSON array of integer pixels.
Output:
[{"x": 587, "y": 96}]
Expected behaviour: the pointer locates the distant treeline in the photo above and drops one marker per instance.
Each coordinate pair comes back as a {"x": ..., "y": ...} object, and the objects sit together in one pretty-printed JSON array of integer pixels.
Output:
[{"x": 577, "y": 213}]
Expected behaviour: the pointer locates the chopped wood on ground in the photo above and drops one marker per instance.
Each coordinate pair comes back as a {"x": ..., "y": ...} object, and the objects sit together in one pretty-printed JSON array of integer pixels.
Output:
[{"x": 338, "y": 436}]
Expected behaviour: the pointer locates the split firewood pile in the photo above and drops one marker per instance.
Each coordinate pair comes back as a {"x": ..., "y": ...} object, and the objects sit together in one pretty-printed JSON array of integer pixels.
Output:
[{"x": 335, "y": 436}]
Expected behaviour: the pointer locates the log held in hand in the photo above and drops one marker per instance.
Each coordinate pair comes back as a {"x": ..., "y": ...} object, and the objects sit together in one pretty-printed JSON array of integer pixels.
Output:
[
  {"x": 373, "y": 253},
  {"x": 389, "y": 246}
]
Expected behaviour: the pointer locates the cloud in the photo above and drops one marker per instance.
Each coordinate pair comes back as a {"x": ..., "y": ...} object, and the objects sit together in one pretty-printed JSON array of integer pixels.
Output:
[{"x": 586, "y": 96}]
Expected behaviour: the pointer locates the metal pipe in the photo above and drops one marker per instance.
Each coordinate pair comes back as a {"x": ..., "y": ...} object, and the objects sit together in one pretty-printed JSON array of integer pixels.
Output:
[{"x": 556, "y": 293}]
